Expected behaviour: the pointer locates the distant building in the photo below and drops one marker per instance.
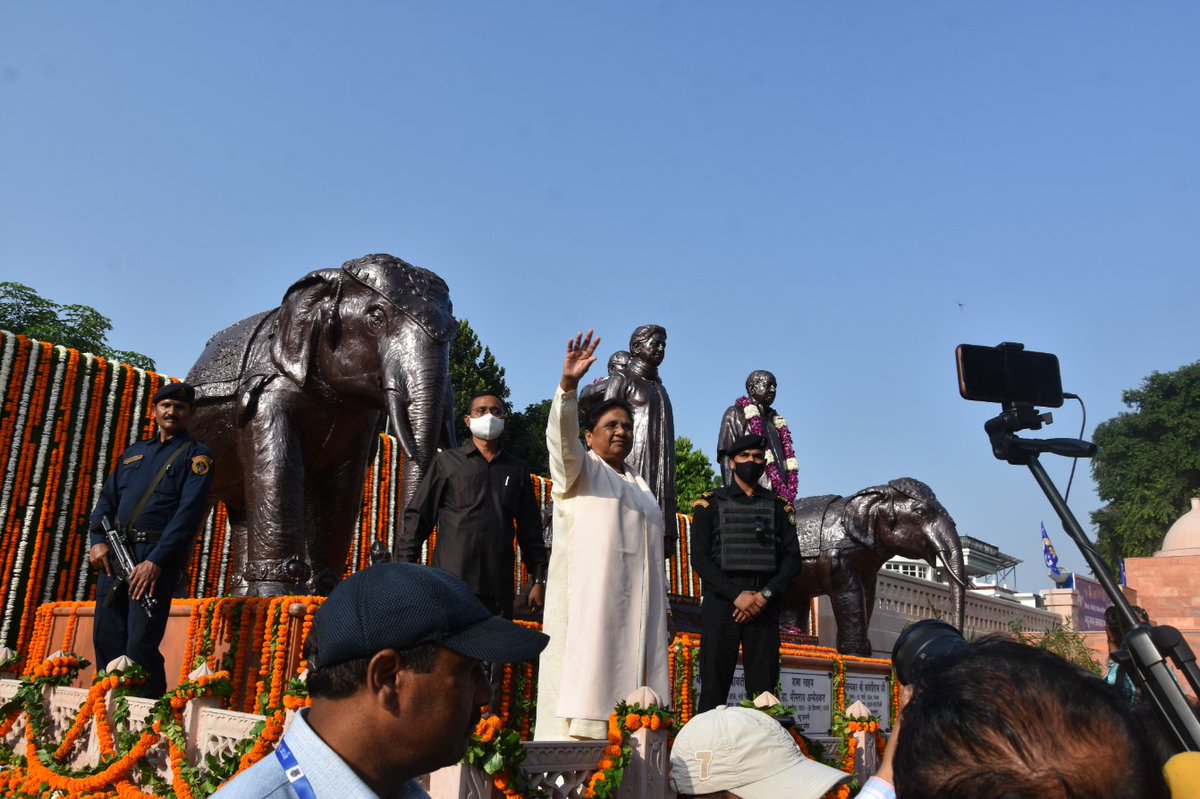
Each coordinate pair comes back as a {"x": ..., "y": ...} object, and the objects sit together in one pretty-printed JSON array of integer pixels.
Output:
[
  {"x": 986, "y": 566},
  {"x": 909, "y": 590}
]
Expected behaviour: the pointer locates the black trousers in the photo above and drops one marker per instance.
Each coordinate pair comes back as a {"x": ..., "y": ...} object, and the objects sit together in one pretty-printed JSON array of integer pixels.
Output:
[
  {"x": 720, "y": 636},
  {"x": 124, "y": 628}
]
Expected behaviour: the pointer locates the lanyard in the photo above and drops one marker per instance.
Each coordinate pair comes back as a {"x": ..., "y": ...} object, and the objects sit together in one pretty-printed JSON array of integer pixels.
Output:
[{"x": 292, "y": 770}]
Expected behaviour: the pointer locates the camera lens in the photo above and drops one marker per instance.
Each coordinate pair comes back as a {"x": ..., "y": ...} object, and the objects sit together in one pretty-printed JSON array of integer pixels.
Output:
[{"x": 922, "y": 643}]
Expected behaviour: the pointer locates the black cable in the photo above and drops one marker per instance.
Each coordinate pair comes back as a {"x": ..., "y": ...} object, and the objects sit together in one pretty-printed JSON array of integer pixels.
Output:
[{"x": 1082, "y": 427}]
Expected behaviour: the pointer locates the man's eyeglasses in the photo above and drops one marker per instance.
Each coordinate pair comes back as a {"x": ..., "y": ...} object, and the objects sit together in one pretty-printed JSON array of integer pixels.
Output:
[{"x": 484, "y": 411}]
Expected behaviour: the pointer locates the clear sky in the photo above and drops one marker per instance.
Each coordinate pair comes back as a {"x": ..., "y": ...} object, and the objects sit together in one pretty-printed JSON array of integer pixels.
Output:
[{"x": 838, "y": 192}]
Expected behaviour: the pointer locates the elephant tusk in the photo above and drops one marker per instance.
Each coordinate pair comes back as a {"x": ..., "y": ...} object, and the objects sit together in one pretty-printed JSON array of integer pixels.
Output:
[{"x": 950, "y": 570}]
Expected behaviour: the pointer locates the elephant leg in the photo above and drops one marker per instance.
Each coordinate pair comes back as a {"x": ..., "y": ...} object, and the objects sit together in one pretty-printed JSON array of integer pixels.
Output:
[
  {"x": 337, "y": 502},
  {"x": 236, "y": 584},
  {"x": 868, "y": 596},
  {"x": 275, "y": 494},
  {"x": 849, "y": 609},
  {"x": 796, "y": 613}
]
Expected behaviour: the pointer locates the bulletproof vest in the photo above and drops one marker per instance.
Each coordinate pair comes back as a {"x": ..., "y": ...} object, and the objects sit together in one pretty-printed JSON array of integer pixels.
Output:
[{"x": 746, "y": 536}]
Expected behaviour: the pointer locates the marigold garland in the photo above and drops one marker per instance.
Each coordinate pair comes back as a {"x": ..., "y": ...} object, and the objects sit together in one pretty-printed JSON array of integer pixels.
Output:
[
  {"x": 495, "y": 749},
  {"x": 625, "y": 720},
  {"x": 784, "y": 477}
]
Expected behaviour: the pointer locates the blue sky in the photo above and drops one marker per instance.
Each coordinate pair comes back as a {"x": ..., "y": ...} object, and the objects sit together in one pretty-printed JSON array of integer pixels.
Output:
[{"x": 838, "y": 192}]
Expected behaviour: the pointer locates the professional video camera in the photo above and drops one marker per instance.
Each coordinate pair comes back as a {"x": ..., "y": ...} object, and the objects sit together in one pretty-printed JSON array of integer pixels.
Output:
[{"x": 1021, "y": 381}]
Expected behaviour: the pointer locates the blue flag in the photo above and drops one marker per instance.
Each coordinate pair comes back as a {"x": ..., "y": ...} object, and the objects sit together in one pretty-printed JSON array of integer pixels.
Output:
[
  {"x": 1121, "y": 564},
  {"x": 1049, "y": 554}
]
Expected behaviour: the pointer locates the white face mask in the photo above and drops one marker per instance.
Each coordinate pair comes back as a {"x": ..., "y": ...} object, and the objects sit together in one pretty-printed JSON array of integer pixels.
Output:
[{"x": 487, "y": 427}]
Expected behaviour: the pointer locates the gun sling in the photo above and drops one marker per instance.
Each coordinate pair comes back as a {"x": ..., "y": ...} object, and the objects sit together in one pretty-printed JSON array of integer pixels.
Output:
[{"x": 132, "y": 534}]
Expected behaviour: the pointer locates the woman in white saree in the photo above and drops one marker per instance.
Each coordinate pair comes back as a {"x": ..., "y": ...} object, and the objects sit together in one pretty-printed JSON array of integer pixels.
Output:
[{"x": 606, "y": 598}]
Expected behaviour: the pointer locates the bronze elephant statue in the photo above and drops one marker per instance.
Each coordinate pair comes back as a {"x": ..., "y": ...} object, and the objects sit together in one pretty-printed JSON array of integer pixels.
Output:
[
  {"x": 845, "y": 541},
  {"x": 291, "y": 401}
]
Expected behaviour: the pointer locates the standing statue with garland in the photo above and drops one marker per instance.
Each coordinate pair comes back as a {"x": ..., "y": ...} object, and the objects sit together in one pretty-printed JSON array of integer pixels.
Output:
[{"x": 753, "y": 415}]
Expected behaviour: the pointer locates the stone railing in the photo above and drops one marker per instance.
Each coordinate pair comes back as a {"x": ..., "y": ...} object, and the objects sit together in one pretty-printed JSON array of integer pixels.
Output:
[
  {"x": 564, "y": 768},
  {"x": 210, "y": 729}
]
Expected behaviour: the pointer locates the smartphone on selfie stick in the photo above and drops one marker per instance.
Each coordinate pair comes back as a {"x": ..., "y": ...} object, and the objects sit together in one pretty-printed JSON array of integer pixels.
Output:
[{"x": 1023, "y": 381}]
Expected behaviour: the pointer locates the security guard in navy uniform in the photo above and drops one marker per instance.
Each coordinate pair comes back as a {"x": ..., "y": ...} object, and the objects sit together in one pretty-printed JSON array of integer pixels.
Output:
[
  {"x": 157, "y": 498},
  {"x": 745, "y": 550}
]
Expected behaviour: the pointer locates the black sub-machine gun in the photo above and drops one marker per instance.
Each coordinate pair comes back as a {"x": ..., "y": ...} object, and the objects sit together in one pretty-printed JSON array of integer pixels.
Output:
[{"x": 121, "y": 563}]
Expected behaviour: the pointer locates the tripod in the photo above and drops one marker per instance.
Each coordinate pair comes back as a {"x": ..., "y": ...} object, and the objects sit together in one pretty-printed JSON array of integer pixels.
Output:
[{"x": 1149, "y": 646}]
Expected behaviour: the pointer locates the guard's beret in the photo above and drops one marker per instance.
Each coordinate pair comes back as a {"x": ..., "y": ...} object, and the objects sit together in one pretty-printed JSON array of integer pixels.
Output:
[
  {"x": 176, "y": 391},
  {"x": 743, "y": 443}
]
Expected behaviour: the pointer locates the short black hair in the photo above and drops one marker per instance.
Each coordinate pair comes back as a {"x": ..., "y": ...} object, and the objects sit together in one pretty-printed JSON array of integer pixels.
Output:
[
  {"x": 340, "y": 680},
  {"x": 1003, "y": 719},
  {"x": 600, "y": 408},
  {"x": 466, "y": 411}
]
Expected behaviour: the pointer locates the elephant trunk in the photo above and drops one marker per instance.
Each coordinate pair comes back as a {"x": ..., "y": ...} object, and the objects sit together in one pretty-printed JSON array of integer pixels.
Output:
[
  {"x": 419, "y": 411},
  {"x": 949, "y": 551}
]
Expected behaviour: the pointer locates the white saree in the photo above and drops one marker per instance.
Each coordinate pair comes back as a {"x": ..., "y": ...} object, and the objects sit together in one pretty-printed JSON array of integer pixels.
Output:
[{"x": 606, "y": 598}]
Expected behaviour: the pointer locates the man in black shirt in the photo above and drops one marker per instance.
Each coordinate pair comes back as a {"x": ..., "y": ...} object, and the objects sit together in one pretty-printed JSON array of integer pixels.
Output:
[
  {"x": 476, "y": 494},
  {"x": 745, "y": 550}
]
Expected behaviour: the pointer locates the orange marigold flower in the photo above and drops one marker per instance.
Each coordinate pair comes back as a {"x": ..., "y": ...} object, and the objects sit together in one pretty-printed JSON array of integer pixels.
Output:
[
  {"x": 633, "y": 723},
  {"x": 606, "y": 763},
  {"x": 613, "y": 751},
  {"x": 655, "y": 723}
]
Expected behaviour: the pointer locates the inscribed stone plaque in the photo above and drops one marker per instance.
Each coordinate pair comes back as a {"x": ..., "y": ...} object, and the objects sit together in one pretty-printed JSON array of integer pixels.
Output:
[
  {"x": 809, "y": 692},
  {"x": 873, "y": 692}
]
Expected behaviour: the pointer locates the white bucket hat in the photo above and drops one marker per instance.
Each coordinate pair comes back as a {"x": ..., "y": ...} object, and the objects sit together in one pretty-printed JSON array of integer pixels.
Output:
[{"x": 747, "y": 753}]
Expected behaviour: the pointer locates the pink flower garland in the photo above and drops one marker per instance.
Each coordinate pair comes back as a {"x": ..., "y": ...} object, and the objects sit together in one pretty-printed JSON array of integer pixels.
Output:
[{"x": 784, "y": 481}]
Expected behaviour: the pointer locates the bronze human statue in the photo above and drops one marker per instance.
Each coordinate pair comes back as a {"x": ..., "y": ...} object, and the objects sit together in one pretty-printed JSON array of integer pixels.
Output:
[
  {"x": 753, "y": 414},
  {"x": 653, "y": 454},
  {"x": 290, "y": 402},
  {"x": 844, "y": 542},
  {"x": 594, "y": 392}
]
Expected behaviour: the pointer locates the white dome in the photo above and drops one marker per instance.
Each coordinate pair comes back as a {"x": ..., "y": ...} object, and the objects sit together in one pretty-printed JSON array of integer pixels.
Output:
[{"x": 1184, "y": 536}]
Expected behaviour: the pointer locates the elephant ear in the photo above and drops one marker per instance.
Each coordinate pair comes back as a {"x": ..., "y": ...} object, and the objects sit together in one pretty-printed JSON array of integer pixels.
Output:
[
  {"x": 309, "y": 311},
  {"x": 862, "y": 513}
]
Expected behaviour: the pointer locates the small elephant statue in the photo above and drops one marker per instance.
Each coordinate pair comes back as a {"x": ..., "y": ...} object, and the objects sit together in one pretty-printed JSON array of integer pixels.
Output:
[
  {"x": 845, "y": 541},
  {"x": 291, "y": 402}
]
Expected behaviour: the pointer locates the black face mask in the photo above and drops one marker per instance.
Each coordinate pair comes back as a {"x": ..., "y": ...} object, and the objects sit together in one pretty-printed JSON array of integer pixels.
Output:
[{"x": 749, "y": 471}]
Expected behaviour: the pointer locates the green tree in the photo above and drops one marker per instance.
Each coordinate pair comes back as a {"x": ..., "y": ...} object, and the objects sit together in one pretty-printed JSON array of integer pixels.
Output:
[
  {"x": 525, "y": 436},
  {"x": 693, "y": 474},
  {"x": 473, "y": 371},
  {"x": 1148, "y": 463},
  {"x": 82, "y": 327},
  {"x": 1068, "y": 644}
]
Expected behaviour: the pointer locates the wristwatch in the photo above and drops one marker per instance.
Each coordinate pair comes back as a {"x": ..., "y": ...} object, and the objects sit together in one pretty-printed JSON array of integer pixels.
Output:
[{"x": 767, "y": 593}]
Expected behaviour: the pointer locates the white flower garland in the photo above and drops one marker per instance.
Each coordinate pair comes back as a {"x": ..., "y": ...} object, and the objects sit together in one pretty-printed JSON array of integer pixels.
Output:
[
  {"x": 18, "y": 431},
  {"x": 48, "y": 431},
  {"x": 85, "y": 397},
  {"x": 10, "y": 468},
  {"x": 139, "y": 402}
]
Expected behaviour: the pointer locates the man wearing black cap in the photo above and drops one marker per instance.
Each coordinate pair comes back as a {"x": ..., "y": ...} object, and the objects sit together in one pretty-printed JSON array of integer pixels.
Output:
[
  {"x": 157, "y": 497},
  {"x": 745, "y": 550},
  {"x": 396, "y": 674}
]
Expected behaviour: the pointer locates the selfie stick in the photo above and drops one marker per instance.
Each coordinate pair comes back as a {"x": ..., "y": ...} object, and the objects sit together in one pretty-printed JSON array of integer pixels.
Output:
[{"x": 1144, "y": 642}]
